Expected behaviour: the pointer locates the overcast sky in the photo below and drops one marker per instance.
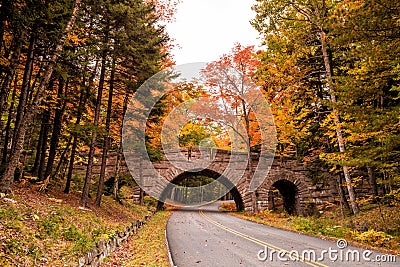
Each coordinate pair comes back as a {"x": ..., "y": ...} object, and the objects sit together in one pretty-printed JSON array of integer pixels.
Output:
[{"x": 206, "y": 29}]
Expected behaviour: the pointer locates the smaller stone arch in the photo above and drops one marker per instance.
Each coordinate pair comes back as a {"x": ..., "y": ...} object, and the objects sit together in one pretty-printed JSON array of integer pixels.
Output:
[
  {"x": 289, "y": 194},
  {"x": 293, "y": 191}
]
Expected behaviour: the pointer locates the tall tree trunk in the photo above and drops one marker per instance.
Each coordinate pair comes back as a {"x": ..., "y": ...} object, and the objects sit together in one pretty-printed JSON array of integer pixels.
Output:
[
  {"x": 25, "y": 155},
  {"x": 106, "y": 142},
  {"x": 372, "y": 182},
  {"x": 57, "y": 124},
  {"x": 89, "y": 170},
  {"x": 71, "y": 164},
  {"x": 5, "y": 10},
  {"x": 120, "y": 155},
  {"x": 342, "y": 193},
  {"x": 339, "y": 134},
  {"x": 5, "y": 87},
  {"x": 141, "y": 191},
  {"x": 43, "y": 148},
  {"x": 6, "y": 180},
  {"x": 82, "y": 102},
  {"x": 35, "y": 167},
  {"x": 116, "y": 176},
  {"x": 26, "y": 80},
  {"x": 84, "y": 95},
  {"x": 246, "y": 114},
  {"x": 63, "y": 157},
  {"x": 8, "y": 125}
]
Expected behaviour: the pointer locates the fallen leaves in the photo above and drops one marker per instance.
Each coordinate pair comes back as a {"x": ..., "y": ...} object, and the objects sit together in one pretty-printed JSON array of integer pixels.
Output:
[
  {"x": 10, "y": 200},
  {"x": 49, "y": 228},
  {"x": 147, "y": 248}
]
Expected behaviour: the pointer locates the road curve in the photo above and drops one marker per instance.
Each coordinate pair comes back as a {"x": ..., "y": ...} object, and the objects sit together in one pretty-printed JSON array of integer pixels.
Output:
[{"x": 207, "y": 237}]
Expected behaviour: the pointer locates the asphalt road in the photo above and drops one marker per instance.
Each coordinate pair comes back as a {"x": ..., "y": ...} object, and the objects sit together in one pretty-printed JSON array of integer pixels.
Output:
[{"x": 205, "y": 236}]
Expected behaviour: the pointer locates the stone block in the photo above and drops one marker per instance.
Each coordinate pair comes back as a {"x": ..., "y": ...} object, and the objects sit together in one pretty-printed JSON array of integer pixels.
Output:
[{"x": 81, "y": 261}]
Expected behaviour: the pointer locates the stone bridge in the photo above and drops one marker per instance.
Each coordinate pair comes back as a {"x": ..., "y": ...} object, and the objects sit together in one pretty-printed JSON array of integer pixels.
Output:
[{"x": 285, "y": 182}]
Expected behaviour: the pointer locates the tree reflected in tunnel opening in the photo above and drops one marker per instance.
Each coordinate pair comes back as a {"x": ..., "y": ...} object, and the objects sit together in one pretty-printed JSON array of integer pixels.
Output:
[
  {"x": 197, "y": 188},
  {"x": 283, "y": 197}
]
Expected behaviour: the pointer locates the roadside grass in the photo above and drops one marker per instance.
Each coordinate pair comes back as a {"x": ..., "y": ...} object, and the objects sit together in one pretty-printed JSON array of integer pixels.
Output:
[
  {"x": 148, "y": 248},
  {"x": 375, "y": 227},
  {"x": 49, "y": 229}
]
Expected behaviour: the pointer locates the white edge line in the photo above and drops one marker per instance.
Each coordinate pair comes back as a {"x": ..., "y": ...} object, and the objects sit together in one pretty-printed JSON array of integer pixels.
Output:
[{"x": 171, "y": 262}]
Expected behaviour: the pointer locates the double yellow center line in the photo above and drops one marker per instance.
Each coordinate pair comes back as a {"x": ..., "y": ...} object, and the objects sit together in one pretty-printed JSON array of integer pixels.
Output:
[{"x": 257, "y": 241}]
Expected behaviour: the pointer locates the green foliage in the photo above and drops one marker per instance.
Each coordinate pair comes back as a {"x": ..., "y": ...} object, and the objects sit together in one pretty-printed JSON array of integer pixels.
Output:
[
  {"x": 196, "y": 181},
  {"x": 72, "y": 233},
  {"x": 82, "y": 241},
  {"x": 83, "y": 244},
  {"x": 12, "y": 246},
  {"x": 150, "y": 202},
  {"x": 49, "y": 227},
  {"x": 9, "y": 214},
  {"x": 193, "y": 134},
  {"x": 392, "y": 198},
  {"x": 318, "y": 227},
  {"x": 155, "y": 154}
]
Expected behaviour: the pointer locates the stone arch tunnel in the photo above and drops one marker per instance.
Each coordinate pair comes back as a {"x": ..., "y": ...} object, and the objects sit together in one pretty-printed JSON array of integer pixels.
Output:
[{"x": 222, "y": 180}]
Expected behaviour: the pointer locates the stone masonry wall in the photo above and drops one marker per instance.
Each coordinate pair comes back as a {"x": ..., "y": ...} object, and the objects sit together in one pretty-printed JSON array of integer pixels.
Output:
[
  {"x": 104, "y": 248},
  {"x": 281, "y": 169}
]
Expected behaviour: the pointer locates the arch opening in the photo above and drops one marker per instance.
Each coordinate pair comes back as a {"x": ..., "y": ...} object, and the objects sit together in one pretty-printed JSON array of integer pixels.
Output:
[
  {"x": 188, "y": 186},
  {"x": 283, "y": 196}
]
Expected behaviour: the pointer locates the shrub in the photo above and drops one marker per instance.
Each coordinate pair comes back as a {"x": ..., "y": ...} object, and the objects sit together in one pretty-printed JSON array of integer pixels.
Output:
[
  {"x": 12, "y": 246},
  {"x": 376, "y": 238},
  {"x": 318, "y": 227},
  {"x": 83, "y": 244},
  {"x": 302, "y": 224},
  {"x": 49, "y": 227},
  {"x": 72, "y": 233},
  {"x": 228, "y": 206},
  {"x": 150, "y": 202}
]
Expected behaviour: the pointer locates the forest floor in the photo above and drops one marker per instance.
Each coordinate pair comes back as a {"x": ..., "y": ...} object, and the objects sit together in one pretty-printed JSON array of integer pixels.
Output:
[
  {"x": 376, "y": 226},
  {"x": 50, "y": 229},
  {"x": 147, "y": 248}
]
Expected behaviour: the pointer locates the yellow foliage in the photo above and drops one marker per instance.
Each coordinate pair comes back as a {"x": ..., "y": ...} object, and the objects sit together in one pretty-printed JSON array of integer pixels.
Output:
[
  {"x": 375, "y": 238},
  {"x": 77, "y": 37}
]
